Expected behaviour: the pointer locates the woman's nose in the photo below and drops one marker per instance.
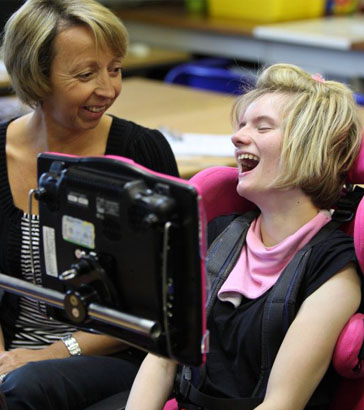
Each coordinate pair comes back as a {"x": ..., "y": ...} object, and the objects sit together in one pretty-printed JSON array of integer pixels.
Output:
[{"x": 106, "y": 87}]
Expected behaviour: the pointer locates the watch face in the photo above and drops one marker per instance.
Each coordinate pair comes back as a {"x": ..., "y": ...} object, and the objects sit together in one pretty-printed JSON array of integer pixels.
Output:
[{"x": 72, "y": 345}]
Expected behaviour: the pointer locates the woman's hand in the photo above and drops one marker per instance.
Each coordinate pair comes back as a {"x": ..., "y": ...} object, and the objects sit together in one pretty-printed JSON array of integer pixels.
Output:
[
  {"x": 13, "y": 359},
  {"x": 90, "y": 344}
]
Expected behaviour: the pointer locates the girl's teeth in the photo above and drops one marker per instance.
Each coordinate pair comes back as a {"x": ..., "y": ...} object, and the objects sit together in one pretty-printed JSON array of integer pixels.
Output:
[
  {"x": 248, "y": 156},
  {"x": 248, "y": 162}
]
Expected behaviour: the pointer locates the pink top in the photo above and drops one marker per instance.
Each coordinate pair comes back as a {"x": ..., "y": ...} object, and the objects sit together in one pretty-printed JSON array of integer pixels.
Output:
[{"x": 259, "y": 267}]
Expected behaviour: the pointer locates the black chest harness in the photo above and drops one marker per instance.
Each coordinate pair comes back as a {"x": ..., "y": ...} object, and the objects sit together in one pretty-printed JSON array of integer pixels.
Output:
[{"x": 279, "y": 309}]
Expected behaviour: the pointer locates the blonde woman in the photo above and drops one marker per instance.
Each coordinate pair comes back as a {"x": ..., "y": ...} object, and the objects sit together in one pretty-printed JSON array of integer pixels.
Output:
[
  {"x": 296, "y": 137},
  {"x": 65, "y": 59}
]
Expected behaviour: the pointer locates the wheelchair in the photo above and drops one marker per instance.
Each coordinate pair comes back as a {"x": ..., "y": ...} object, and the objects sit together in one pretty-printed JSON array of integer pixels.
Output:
[{"x": 348, "y": 357}]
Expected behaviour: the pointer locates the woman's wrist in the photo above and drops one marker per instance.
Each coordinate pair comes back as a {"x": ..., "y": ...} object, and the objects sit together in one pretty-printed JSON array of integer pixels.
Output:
[{"x": 56, "y": 350}]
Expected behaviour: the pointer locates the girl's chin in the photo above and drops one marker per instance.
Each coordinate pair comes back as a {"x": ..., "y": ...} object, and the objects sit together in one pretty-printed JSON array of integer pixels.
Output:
[
  {"x": 242, "y": 190},
  {"x": 246, "y": 191}
]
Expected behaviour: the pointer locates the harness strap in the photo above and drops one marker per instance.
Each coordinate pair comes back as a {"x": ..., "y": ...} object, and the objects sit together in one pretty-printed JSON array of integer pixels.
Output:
[
  {"x": 223, "y": 253},
  {"x": 206, "y": 402},
  {"x": 280, "y": 308}
]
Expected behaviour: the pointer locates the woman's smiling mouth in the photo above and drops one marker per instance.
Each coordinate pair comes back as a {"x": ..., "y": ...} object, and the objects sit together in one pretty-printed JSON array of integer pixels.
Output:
[{"x": 95, "y": 109}]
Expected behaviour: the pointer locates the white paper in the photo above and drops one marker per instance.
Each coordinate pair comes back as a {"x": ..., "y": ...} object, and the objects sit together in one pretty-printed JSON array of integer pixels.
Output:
[
  {"x": 215, "y": 145},
  {"x": 332, "y": 32}
]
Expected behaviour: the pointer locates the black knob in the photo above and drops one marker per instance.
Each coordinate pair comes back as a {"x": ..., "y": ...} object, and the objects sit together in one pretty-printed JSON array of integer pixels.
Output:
[{"x": 76, "y": 303}]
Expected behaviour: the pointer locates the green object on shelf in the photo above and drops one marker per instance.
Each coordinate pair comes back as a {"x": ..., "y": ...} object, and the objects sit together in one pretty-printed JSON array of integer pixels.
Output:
[{"x": 195, "y": 6}]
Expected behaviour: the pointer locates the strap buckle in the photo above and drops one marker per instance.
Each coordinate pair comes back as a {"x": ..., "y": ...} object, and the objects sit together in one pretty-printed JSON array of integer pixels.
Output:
[
  {"x": 185, "y": 382},
  {"x": 346, "y": 206}
]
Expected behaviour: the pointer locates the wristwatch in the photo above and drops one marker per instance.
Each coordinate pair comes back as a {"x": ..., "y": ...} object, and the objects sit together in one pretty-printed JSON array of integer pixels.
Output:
[{"x": 72, "y": 345}]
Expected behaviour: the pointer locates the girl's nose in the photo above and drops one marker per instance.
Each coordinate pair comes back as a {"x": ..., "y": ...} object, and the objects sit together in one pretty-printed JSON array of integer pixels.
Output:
[{"x": 241, "y": 137}]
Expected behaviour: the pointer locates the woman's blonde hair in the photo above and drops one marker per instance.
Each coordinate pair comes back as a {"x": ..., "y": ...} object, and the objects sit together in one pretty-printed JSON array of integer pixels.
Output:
[
  {"x": 29, "y": 35},
  {"x": 321, "y": 130}
]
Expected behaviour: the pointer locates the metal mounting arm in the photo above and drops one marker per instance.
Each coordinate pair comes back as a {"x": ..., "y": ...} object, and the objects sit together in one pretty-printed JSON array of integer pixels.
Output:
[{"x": 145, "y": 327}]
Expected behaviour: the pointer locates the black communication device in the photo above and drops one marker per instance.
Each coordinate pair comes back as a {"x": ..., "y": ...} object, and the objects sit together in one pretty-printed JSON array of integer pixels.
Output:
[{"x": 119, "y": 239}]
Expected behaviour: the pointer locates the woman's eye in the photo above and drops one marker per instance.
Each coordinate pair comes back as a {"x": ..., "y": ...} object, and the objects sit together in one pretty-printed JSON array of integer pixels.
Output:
[
  {"x": 85, "y": 76},
  {"x": 117, "y": 70}
]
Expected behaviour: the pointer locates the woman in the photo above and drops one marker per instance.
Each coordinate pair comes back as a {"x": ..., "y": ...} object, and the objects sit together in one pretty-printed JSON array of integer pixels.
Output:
[
  {"x": 65, "y": 59},
  {"x": 297, "y": 136}
]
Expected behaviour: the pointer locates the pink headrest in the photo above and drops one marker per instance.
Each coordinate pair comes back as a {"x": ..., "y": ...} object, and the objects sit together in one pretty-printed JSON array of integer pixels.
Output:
[
  {"x": 356, "y": 174},
  {"x": 217, "y": 186}
]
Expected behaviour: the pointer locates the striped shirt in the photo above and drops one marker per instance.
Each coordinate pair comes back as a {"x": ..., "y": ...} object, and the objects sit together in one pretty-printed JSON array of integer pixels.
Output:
[{"x": 33, "y": 329}]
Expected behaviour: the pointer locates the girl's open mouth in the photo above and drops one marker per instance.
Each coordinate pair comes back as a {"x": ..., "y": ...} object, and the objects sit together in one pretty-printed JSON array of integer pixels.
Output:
[{"x": 247, "y": 162}]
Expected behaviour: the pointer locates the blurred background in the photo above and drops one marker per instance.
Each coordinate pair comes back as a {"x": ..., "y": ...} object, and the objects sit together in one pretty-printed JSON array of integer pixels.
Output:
[
  {"x": 218, "y": 45},
  {"x": 165, "y": 33}
]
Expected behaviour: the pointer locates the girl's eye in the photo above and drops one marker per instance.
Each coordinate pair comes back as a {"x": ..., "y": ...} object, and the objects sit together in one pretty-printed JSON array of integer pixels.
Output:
[{"x": 264, "y": 127}]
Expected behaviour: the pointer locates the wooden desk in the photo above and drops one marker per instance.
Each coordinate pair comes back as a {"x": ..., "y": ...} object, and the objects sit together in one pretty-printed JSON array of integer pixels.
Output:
[
  {"x": 172, "y": 27},
  {"x": 4, "y": 76},
  {"x": 144, "y": 57},
  {"x": 156, "y": 104}
]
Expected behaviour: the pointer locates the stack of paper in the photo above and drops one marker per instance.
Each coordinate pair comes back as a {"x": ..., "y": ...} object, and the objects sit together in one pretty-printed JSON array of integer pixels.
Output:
[{"x": 332, "y": 32}]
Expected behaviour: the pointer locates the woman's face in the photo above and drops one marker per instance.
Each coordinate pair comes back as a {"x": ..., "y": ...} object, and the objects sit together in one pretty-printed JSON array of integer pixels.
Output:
[
  {"x": 258, "y": 145},
  {"x": 85, "y": 81}
]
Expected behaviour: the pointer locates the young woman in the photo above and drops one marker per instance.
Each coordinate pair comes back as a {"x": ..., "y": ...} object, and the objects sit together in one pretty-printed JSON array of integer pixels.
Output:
[
  {"x": 65, "y": 60},
  {"x": 297, "y": 136}
]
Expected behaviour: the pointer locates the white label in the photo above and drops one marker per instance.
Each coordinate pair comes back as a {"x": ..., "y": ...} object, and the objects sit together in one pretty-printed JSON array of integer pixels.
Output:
[
  {"x": 50, "y": 256},
  {"x": 79, "y": 232}
]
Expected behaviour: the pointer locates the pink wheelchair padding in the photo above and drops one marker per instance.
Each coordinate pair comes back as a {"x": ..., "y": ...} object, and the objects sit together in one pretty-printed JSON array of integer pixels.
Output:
[
  {"x": 217, "y": 186},
  {"x": 356, "y": 174},
  {"x": 345, "y": 358},
  {"x": 171, "y": 405},
  {"x": 359, "y": 234}
]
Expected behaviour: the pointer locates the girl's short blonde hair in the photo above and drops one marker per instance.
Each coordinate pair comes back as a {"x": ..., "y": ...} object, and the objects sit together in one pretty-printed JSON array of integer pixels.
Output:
[
  {"x": 321, "y": 130},
  {"x": 29, "y": 35}
]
